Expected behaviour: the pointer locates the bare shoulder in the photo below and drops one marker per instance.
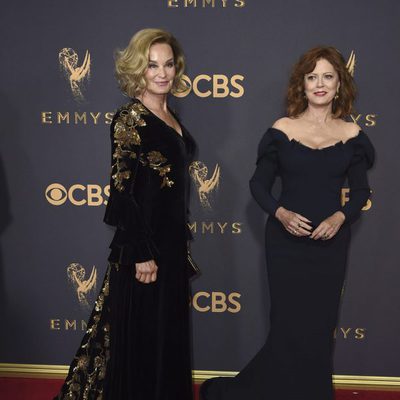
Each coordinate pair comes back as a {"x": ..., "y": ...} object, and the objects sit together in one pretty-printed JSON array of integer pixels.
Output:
[
  {"x": 351, "y": 129},
  {"x": 282, "y": 123},
  {"x": 347, "y": 130}
]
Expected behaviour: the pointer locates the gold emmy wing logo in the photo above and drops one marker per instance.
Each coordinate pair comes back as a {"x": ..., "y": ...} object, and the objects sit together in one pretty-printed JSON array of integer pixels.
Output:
[
  {"x": 76, "y": 274},
  {"x": 75, "y": 74},
  {"x": 199, "y": 172},
  {"x": 351, "y": 63}
]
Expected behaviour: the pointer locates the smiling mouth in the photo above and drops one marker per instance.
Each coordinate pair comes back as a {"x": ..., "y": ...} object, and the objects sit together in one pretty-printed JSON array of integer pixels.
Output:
[
  {"x": 320, "y": 93},
  {"x": 164, "y": 83}
]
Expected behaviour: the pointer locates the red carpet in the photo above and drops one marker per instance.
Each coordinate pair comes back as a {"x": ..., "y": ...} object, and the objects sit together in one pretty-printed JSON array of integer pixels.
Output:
[{"x": 45, "y": 389}]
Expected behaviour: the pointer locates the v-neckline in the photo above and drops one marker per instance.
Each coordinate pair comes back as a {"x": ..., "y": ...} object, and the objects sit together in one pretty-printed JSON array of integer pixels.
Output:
[{"x": 160, "y": 119}]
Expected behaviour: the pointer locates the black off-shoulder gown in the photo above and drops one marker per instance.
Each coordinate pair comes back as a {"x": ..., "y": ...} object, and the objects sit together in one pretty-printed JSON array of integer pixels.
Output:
[
  {"x": 137, "y": 344},
  {"x": 305, "y": 276}
]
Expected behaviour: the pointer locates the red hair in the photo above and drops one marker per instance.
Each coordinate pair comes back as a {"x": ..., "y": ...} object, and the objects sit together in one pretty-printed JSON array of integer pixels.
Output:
[{"x": 296, "y": 101}]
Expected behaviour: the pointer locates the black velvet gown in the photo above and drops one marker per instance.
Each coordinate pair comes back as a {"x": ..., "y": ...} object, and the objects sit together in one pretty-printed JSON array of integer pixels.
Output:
[
  {"x": 137, "y": 343},
  {"x": 305, "y": 276}
]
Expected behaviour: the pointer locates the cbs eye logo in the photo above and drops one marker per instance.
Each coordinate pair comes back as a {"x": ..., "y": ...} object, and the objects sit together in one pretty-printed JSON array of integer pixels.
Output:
[
  {"x": 217, "y": 86},
  {"x": 79, "y": 195},
  {"x": 56, "y": 194}
]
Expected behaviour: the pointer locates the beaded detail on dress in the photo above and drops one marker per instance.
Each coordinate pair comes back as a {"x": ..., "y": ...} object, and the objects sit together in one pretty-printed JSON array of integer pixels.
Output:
[
  {"x": 155, "y": 160},
  {"x": 126, "y": 137},
  {"x": 88, "y": 370},
  {"x": 127, "y": 143}
]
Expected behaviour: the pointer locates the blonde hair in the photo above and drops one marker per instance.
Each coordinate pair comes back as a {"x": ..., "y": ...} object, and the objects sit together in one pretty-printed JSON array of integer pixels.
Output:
[{"x": 131, "y": 63}]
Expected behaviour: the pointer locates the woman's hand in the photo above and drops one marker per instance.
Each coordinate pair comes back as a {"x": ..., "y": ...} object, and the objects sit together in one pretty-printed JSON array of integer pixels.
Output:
[
  {"x": 329, "y": 227},
  {"x": 146, "y": 272},
  {"x": 294, "y": 223}
]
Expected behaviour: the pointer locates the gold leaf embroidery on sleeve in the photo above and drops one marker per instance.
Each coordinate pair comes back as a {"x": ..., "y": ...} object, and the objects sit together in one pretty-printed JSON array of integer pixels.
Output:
[
  {"x": 156, "y": 161},
  {"x": 126, "y": 137}
]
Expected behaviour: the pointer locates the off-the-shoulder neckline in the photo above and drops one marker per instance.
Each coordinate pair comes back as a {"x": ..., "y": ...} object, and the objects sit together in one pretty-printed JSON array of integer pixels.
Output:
[{"x": 338, "y": 143}]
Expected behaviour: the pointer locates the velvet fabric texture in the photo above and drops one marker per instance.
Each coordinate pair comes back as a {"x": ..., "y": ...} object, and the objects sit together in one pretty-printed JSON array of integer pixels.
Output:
[{"x": 137, "y": 345}]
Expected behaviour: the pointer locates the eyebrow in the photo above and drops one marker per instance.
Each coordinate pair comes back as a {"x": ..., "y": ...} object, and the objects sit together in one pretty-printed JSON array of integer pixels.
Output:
[
  {"x": 314, "y": 73},
  {"x": 155, "y": 62}
]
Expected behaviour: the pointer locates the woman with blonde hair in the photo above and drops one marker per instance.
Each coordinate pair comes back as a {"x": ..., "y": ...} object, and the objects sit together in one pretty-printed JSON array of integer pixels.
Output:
[
  {"x": 136, "y": 346},
  {"x": 313, "y": 150}
]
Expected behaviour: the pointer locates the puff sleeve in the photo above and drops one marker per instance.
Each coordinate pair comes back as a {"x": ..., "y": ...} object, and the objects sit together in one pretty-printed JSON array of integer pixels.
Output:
[
  {"x": 132, "y": 241},
  {"x": 362, "y": 160},
  {"x": 266, "y": 171}
]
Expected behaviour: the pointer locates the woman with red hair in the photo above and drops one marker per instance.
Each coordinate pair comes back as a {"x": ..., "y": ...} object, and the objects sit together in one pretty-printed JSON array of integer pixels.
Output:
[{"x": 313, "y": 150}]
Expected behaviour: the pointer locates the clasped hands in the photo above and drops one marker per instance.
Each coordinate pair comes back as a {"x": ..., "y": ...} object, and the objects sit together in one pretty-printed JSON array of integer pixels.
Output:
[{"x": 298, "y": 225}]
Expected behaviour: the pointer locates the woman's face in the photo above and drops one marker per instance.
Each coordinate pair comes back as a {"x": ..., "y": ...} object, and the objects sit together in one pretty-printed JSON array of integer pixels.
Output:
[
  {"x": 322, "y": 84},
  {"x": 160, "y": 72}
]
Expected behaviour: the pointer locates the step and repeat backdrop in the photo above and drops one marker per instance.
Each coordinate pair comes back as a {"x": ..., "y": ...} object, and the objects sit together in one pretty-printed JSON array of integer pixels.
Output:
[{"x": 58, "y": 96}]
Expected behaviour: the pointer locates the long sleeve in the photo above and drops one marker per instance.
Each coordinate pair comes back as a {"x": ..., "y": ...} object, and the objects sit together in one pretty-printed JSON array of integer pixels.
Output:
[
  {"x": 264, "y": 176},
  {"x": 362, "y": 160},
  {"x": 132, "y": 241}
]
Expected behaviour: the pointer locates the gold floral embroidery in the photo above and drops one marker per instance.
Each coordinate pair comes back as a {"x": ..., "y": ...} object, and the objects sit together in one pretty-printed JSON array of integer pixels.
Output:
[
  {"x": 90, "y": 364},
  {"x": 126, "y": 137},
  {"x": 83, "y": 362},
  {"x": 156, "y": 161}
]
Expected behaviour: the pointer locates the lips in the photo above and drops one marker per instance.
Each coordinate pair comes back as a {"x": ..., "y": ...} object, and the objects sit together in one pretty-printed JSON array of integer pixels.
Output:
[
  {"x": 321, "y": 93},
  {"x": 163, "y": 83}
]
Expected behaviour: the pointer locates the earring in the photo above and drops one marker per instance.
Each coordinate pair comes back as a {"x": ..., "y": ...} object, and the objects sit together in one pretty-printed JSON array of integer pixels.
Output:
[{"x": 337, "y": 95}]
